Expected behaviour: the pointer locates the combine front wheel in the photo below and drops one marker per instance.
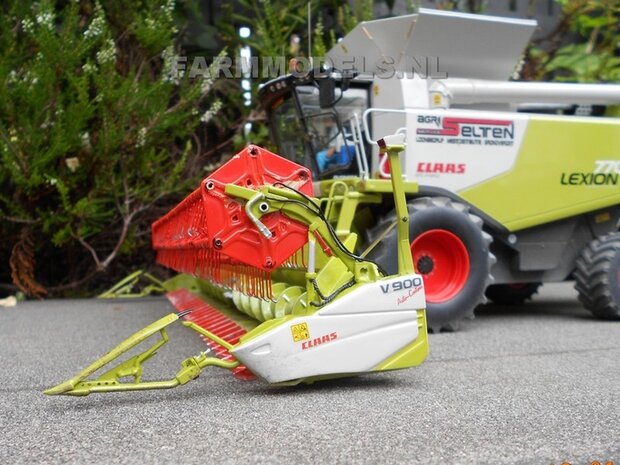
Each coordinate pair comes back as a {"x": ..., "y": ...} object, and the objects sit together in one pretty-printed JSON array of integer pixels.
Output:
[
  {"x": 449, "y": 250},
  {"x": 597, "y": 277}
]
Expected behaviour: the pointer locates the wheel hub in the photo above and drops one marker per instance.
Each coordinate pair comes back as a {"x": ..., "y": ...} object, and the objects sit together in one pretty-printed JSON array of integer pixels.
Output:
[
  {"x": 425, "y": 264},
  {"x": 442, "y": 259}
]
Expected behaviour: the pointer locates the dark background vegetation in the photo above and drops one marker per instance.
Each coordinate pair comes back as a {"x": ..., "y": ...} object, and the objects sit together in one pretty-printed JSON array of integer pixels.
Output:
[{"x": 98, "y": 139}]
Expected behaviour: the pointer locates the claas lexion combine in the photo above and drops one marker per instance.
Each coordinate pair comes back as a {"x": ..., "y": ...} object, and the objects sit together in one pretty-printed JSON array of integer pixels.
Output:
[
  {"x": 518, "y": 183},
  {"x": 314, "y": 309},
  {"x": 293, "y": 281}
]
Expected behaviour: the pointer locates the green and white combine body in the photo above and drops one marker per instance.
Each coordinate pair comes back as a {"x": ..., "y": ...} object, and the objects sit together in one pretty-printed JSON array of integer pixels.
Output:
[
  {"x": 511, "y": 194},
  {"x": 464, "y": 133},
  {"x": 521, "y": 170}
]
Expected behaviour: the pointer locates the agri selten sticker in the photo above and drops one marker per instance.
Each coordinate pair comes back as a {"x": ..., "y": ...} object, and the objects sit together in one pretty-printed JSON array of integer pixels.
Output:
[{"x": 470, "y": 131}]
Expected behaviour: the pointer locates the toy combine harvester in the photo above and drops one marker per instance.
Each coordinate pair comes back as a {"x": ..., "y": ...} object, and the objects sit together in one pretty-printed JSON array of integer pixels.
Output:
[{"x": 312, "y": 309}]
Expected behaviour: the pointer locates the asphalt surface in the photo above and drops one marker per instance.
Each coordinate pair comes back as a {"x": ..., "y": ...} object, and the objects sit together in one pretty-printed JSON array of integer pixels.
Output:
[{"x": 535, "y": 384}]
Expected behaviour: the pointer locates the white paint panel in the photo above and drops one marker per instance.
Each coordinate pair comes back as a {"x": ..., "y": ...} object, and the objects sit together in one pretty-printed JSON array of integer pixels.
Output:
[
  {"x": 467, "y": 45},
  {"x": 362, "y": 341},
  {"x": 457, "y": 149},
  {"x": 351, "y": 335},
  {"x": 470, "y": 45},
  {"x": 392, "y": 294}
]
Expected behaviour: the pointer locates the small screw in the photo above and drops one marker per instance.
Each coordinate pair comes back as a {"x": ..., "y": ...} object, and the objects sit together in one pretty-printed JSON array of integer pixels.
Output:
[
  {"x": 253, "y": 150},
  {"x": 268, "y": 263},
  {"x": 217, "y": 244},
  {"x": 209, "y": 185}
]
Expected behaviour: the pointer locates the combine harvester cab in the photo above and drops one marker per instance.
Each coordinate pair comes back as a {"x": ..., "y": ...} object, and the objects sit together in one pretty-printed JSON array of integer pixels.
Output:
[
  {"x": 512, "y": 193},
  {"x": 297, "y": 304}
]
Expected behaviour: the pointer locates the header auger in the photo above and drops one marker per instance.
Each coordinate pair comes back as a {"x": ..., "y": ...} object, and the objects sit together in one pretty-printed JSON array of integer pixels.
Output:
[{"x": 256, "y": 242}]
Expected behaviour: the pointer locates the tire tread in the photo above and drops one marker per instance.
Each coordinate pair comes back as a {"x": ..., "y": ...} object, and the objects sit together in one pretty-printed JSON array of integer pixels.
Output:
[
  {"x": 592, "y": 271},
  {"x": 424, "y": 203}
]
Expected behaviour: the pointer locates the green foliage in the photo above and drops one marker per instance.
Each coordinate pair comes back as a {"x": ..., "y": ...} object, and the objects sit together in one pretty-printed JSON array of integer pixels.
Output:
[
  {"x": 94, "y": 124},
  {"x": 319, "y": 47},
  {"x": 348, "y": 18},
  {"x": 273, "y": 25},
  {"x": 596, "y": 57},
  {"x": 576, "y": 62},
  {"x": 280, "y": 31}
]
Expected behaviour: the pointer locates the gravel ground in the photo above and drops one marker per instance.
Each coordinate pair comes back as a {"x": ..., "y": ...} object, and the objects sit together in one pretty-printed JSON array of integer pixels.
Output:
[{"x": 535, "y": 384}]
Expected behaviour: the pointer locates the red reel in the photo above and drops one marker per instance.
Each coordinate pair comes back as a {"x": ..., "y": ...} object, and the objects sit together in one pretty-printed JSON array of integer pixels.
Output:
[{"x": 210, "y": 219}]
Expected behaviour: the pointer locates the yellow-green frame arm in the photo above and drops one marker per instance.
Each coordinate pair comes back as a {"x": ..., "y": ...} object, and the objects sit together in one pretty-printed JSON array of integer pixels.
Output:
[{"x": 110, "y": 381}]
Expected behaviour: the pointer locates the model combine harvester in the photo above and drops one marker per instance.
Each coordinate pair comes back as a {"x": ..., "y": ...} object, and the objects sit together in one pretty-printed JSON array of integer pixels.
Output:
[
  {"x": 250, "y": 232},
  {"x": 518, "y": 183},
  {"x": 494, "y": 197}
]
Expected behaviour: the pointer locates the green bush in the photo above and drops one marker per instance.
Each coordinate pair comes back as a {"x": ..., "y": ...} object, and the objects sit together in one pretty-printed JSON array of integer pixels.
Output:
[
  {"x": 597, "y": 59},
  {"x": 95, "y": 137},
  {"x": 582, "y": 47}
]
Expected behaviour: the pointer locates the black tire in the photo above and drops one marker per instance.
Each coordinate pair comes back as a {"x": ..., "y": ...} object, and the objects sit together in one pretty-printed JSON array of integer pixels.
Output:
[
  {"x": 511, "y": 294},
  {"x": 597, "y": 276},
  {"x": 427, "y": 216}
]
